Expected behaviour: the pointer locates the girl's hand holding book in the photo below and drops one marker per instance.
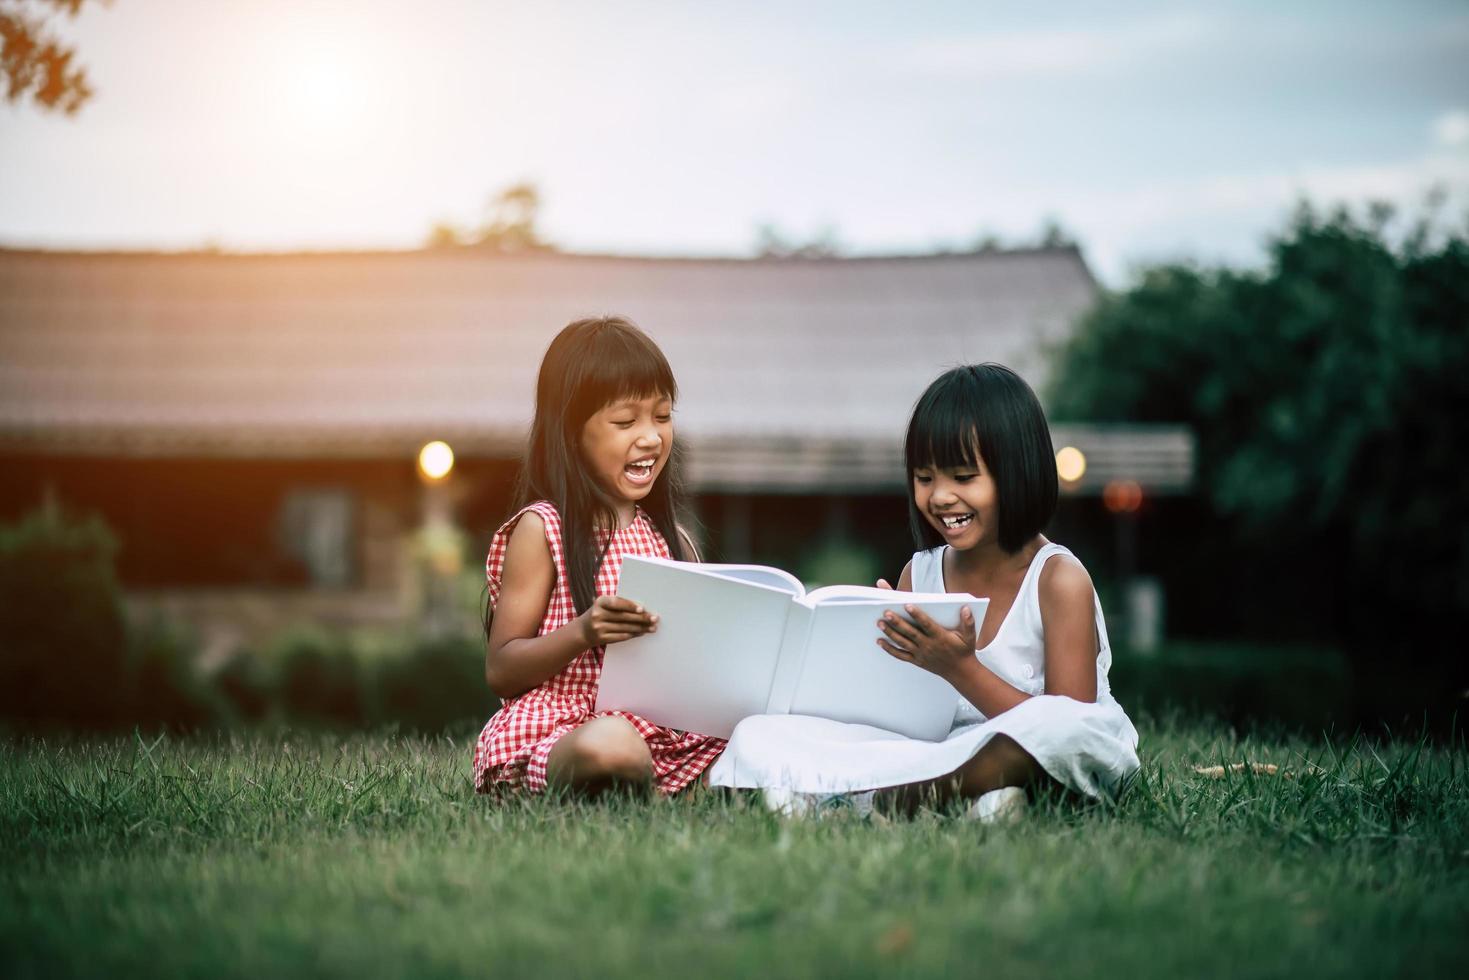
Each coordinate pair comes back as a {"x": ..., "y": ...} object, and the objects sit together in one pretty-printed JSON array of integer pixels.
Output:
[
  {"x": 612, "y": 619},
  {"x": 925, "y": 643}
]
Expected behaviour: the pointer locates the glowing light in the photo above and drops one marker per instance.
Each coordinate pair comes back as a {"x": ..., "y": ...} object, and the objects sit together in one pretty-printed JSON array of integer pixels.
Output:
[
  {"x": 1070, "y": 464},
  {"x": 435, "y": 460},
  {"x": 1122, "y": 496},
  {"x": 324, "y": 91}
]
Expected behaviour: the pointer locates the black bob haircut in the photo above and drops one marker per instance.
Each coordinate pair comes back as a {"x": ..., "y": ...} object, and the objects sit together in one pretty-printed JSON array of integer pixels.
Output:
[{"x": 986, "y": 412}]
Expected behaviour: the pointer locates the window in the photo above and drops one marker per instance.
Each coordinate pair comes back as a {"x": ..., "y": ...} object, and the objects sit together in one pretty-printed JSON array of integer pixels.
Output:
[{"x": 316, "y": 530}]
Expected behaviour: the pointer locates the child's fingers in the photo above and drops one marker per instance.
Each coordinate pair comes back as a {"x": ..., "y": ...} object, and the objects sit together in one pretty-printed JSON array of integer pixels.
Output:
[
  {"x": 616, "y": 603},
  {"x": 897, "y": 628},
  {"x": 966, "y": 624},
  {"x": 630, "y": 618},
  {"x": 923, "y": 621},
  {"x": 883, "y": 583},
  {"x": 898, "y": 652},
  {"x": 629, "y": 629},
  {"x": 617, "y": 636}
]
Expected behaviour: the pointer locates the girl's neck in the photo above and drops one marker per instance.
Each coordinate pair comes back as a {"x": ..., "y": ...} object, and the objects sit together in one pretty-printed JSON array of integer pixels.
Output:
[
  {"x": 988, "y": 561},
  {"x": 625, "y": 512}
]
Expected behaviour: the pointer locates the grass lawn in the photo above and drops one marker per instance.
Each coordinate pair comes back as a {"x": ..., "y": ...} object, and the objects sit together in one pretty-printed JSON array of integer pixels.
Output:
[{"x": 369, "y": 856}]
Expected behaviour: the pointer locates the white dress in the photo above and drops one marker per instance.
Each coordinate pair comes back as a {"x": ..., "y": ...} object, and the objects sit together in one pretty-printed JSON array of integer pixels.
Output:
[{"x": 1090, "y": 748}]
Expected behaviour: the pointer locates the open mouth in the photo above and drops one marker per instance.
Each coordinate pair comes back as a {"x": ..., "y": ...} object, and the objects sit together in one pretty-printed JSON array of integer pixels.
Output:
[
  {"x": 954, "y": 522},
  {"x": 640, "y": 471}
]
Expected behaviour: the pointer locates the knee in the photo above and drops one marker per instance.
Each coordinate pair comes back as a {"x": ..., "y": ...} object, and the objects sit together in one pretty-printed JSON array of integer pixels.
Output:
[{"x": 613, "y": 753}]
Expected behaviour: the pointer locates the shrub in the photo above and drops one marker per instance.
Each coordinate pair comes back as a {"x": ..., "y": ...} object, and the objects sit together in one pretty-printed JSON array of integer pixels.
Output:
[
  {"x": 164, "y": 689},
  {"x": 319, "y": 680},
  {"x": 63, "y": 647},
  {"x": 439, "y": 684},
  {"x": 246, "y": 688},
  {"x": 1293, "y": 688}
]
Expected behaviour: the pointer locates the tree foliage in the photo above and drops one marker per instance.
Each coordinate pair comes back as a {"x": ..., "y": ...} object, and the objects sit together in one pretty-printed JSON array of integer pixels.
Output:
[
  {"x": 509, "y": 225},
  {"x": 34, "y": 63},
  {"x": 1329, "y": 394},
  {"x": 773, "y": 243},
  {"x": 510, "y": 220}
]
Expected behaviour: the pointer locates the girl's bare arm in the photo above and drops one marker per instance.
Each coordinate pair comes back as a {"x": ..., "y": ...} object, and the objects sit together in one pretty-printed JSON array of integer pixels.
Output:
[
  {"x": 1068, "y": 614},
  {"x": 516, "y": 659}
]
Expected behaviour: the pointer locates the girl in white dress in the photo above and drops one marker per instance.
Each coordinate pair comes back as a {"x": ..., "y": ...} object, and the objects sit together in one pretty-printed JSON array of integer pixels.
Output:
[{"x": 1033, "y": 701}]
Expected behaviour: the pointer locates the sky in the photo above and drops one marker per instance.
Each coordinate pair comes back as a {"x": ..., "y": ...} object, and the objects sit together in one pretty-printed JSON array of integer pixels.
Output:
[{"x": 1149, "y": 131}]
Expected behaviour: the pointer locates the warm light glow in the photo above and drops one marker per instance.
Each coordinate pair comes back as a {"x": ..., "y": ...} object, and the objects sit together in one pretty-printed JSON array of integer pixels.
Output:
[
  {"x": 1070, "y": 464},
  {"x": 325, "y": 94},
  {"x": 1122, "y": 496},
  {"x": 435, "y": 460},
  {"x": 324, "y": 91}
]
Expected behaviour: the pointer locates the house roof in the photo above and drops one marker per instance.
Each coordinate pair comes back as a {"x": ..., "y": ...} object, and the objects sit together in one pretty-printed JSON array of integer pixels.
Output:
[{"x": 781, "y": 362}]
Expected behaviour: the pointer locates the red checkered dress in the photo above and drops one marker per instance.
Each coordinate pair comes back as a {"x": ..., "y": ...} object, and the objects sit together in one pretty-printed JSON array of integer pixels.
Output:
[{"x": 512, "y": 748}]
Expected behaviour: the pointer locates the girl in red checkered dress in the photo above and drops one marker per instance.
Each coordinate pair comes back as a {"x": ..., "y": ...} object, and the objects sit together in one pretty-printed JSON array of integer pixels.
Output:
[{"x": 600, "y": 482}]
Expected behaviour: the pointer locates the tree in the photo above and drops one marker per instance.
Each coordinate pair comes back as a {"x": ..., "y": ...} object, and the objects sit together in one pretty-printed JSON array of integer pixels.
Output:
[
  {"x": 510, "y": 220},
  {"x": 509, "y": 224},
  {"x": 34, "y": 62},
  {"x": 444, "y": 234},
  {"x": 772, "y": 243},
  {"x": 1328, "y": 399},
  {"x": 1054, "y": 236}
]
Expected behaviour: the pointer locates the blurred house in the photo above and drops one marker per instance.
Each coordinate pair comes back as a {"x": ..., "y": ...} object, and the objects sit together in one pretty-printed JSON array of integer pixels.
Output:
[{"x": 249, "y": 424}]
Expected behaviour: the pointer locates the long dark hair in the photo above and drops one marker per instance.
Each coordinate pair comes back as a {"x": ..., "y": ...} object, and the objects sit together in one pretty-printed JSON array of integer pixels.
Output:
[
  {"x": 986, "y": 411},
  {"x": 589, "y": 365}
]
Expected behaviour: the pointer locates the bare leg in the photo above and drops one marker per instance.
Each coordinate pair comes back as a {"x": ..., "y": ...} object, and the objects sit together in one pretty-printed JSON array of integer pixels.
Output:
[
  {"x": 602, "y": 754},
  {"x": 1002, "y": 762}
]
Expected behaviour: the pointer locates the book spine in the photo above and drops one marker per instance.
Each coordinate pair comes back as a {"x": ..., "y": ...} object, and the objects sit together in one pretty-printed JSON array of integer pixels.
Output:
[{"x": 792, "y": 660}]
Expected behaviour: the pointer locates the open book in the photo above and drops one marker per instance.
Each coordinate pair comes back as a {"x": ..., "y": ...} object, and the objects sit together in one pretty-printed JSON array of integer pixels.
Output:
[{"x": 741, "y": 640}]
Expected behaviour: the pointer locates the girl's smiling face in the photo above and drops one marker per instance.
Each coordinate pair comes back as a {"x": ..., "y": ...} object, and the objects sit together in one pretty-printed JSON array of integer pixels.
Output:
[
  {"x": 626, "y": 445},
  {"x": 959, "y": 502}
]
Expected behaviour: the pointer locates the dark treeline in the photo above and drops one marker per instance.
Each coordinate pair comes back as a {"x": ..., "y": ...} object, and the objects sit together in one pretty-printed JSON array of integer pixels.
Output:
[{"x": 1329, "y": 393}]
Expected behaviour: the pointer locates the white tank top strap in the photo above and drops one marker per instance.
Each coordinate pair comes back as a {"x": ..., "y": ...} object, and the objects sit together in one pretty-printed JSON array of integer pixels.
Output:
[
  {"x": 927, "y": 571},
  {"x": 1030, "y": 588},
  {"x": 1104, "y": 645}
]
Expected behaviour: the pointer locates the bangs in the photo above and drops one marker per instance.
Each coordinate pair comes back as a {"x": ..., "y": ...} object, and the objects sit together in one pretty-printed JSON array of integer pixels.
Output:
[
  {"x": 616, "y": 365},
  {"x": 986, "y": 413},
  {"x": 945, "y": 429},
  {"x": 590, "y": 364}
]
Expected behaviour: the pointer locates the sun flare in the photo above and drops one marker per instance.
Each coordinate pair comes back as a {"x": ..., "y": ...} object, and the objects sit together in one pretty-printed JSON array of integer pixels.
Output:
[{"x": 324, "y": 90}]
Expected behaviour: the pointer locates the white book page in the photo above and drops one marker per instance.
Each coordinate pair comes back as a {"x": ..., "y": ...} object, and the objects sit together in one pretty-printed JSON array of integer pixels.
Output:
[
  {"x": 792, "y": 654},
  {"x": 848, "y": 677},
  {"x": 713, "y": 658},
  {"x": 830, "y": 594},
  {"x": 759, "y": 574}
]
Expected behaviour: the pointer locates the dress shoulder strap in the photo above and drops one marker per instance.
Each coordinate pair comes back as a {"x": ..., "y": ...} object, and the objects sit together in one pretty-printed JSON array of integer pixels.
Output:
[
  {"x": 1033, "y": 574},
  {"x": 928, "y": 570}
]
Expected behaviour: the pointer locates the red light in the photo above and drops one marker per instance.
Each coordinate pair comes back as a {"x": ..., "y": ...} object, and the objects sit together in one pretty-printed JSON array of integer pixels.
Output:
[{"x": 1122, "y": 496}]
